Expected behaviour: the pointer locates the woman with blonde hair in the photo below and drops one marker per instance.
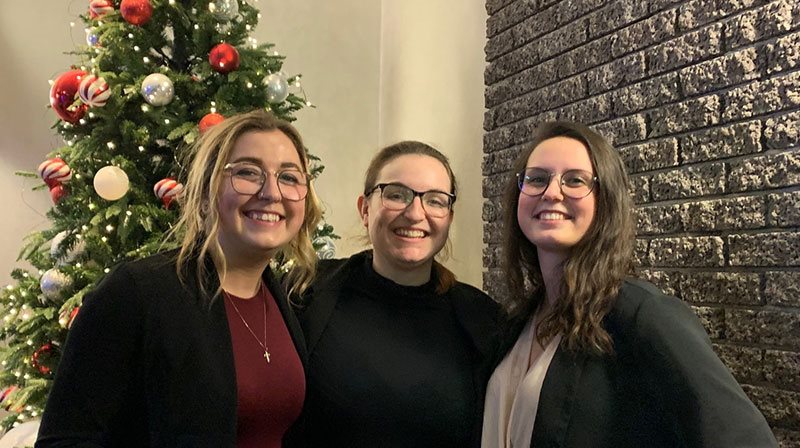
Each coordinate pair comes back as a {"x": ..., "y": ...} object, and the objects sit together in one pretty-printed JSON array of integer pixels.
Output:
[
  {"x": 593, "y": 357},
  {"x": 198, "y": 346}
]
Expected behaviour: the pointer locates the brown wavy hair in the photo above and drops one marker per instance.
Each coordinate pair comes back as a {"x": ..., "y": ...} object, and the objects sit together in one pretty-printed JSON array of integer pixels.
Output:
[
  {"x": 198, "y": 226},
  {"x": 446, "y": 278},
  {"x": 595, "y": 267}
]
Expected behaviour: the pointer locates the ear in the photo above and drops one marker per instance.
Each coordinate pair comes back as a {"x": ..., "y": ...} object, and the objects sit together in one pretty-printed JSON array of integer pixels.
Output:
[{"x": 363, "y": 209}]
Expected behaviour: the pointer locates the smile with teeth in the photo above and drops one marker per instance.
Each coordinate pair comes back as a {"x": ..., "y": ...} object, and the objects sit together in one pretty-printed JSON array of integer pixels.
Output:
[
  {"x": 552, "y": 216},
  {"x": 410, "y": 233},
  {"x": 263, "y": 216}
]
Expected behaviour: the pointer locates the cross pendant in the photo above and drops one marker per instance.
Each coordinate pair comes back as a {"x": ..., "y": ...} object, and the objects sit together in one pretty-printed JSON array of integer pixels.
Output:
[{"x": 266, "y": 355}]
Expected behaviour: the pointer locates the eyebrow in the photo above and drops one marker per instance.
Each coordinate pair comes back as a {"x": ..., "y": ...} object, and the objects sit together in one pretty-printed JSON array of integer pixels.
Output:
[{"x": 256, "y": 161}]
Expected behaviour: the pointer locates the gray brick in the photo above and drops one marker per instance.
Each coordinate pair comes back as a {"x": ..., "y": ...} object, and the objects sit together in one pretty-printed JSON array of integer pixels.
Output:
[
  {"x": 689, "y": 182},
  {"x": 530, "y": 79},
  {"x": 646, "y": 94},
  {"x": 782, "y": 368},
  {"x": 727, "y": 70},
  {"x": 493, "y": 209},
  {"x": 501, "y": 161},
  {"x": 784, "y": 209},
  {"x": 658, "y": 219},
  {"x": 730, "y": 7},
  {"x": 516, "y": 12},
  {"x": 767, "y": 171},
  {"x": 762, "y": 97},
  {"x": 695, "y": 13},
  {"x": 780, "y": 407},
  {"x": 700, "y": 251},
  {"x": 684, "y": 116},
  {"x": 727, "y": 288},
  {"x": 588, "y": 55},
  {"x": 641, "y": 189},
  {"x": 623, "y": 130},
  {"x": 783, "y": 131},
  {"x": 541, "y": 100},
  {"x": 495, "y": 184},
  {"x": 712, "y": 319},
  {"x": 640, "y": 252},
  {"x": 765, "y": 249},
  {"x": 724, "y": 214},
  {"x": 784, "y": 54},
  {"x": 782, "y": 288},
  {"x": 616, "y": 73},
  {"x": 667, "y": 281},
  {"x": 745, "y": 363},
  {"x": 615, "y": 15},
  {"x": 495, "y": 284},
  {"x": 658, "y": 5},
  {"x": 492, "y": 6},
  {"x": 687, "y": 49},
  {"x": 650, "y": 155},
  {"x": 787, "y": 438},
  {"x": 493, "y": 232},
  {"x": 721, "y": 142},
  {"x": 642, "y": 34},
  {"x": 588, "y": 111},
  {"x": 779, "y": 328},
  {"x": 492, "y": 256},
  {"x": 766, "y": 21}
]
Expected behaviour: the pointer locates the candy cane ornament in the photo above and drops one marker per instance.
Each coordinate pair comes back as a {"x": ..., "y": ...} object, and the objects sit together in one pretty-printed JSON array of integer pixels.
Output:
[
  {"x": 167, "y": 189},
  {"x": 55, "y": 172}
]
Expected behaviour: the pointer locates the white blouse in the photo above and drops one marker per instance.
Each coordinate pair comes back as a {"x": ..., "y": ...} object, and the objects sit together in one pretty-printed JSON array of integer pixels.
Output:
[{"x": 512, "y": 396}]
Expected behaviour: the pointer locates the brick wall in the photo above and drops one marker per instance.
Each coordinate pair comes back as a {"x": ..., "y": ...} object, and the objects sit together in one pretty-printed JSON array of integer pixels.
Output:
[{"x": 702, "y": 99}]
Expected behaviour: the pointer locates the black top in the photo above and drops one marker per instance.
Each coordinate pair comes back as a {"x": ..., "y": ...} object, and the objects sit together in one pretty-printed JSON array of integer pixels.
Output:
[
  {"x": 394, "y": 365},
  {"x": 663, "y": 387},
  {"x": 149, "y": 362}
]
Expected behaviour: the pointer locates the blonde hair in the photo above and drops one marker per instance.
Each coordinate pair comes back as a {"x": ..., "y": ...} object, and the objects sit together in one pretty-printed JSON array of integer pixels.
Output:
[{"x": 199, "y": 223}]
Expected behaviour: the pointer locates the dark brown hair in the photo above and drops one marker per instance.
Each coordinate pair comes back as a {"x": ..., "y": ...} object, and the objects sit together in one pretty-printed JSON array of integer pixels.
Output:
[
  {"x": 446, "y": 279},
  {"x": 595, "y": 267}
]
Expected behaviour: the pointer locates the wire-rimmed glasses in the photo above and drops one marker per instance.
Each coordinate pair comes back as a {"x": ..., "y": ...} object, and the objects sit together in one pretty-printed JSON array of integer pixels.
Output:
[
  {"x": 575, "y": 184},
  {"x": 397, "y": 197},
  {"x": 248, "y": 179}
]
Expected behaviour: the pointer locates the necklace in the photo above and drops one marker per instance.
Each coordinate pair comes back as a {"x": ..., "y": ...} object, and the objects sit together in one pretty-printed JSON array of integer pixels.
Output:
[{"x": 262, "y": 344}]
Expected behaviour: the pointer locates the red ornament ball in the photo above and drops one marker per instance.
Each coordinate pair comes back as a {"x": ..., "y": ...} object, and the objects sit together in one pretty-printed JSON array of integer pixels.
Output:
[
  {"x": 209, "y": 120},
  {"x": 39, "y": 356},
  {"x": 223, "y": 58},
  {"x": 99, "y": 8},
  {"x": 63, "y": 94},
  {"x": 136, "y": 12}
]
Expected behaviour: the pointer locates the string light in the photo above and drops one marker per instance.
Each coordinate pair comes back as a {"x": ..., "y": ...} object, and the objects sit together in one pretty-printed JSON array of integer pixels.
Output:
[
  {"x": 111, "y": 145},
  {"x": 109, "y": 228},
  {"x": 146, "y": 60},
  {"x": 135, "y": 48},
  {"x": 145, "y": 108},
  {"x": 128, "y": 212},
  {"x": 196, "y": 26},
  {"x": 249, "y": 85},
  {"x": 104, "y": 239},
  {"x": 106, "y": 270},
  {"x": 130, "y": 35},
  {"x": 92, "y": 206},
  {"x": 166, "y": 121},
  {"x": 141, "y": 148}
]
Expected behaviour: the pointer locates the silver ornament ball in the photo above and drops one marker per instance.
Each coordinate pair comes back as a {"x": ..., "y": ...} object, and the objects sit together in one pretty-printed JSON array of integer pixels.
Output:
[
  {"x": 277, "y": 88},
  {"x": 224, "y": 10},
  {"x": 327, "y": 249},
  {"x": 77, "y": 249},
  {"x": 157, "y": 89},
  {"x": 53, "y": 283}
]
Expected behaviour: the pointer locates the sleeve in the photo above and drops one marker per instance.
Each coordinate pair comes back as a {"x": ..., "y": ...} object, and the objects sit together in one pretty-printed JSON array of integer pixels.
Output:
[
  {"x": 97, "y": 367},
  {"x": 711, "y": 408}
]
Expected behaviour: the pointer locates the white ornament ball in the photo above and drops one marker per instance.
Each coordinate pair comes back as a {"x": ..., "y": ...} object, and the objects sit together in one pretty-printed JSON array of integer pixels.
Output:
[
  {"x": 277, "y": 88},
  {"x": 71, "y": 254},
  {"x": 157, "y": 89},
  {"x": 21, "y": 435},
  {"x": 111, "y": 182},
  {"x": 327, "y": 249},
  {"x": 53, "y": 282},
  {"x": 224, "y": 10}
]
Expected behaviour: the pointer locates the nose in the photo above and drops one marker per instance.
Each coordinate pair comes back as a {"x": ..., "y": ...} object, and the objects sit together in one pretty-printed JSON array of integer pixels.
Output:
[
  {"x": 415, "y": 211},
  {"x": 270, "y": 191},
  {"x": 553, "y": 192}
]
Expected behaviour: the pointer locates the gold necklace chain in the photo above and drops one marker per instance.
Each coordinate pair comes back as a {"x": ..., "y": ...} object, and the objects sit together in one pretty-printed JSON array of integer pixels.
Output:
[{"x": 262, "y": 344}]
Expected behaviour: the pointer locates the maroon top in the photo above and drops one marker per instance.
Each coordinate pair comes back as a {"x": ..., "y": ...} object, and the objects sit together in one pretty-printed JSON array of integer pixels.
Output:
[{"x": 269, "y": 394}]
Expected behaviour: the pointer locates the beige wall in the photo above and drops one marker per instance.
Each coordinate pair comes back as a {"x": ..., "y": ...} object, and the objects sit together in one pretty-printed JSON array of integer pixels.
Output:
[{"x": 378, "y": 72}]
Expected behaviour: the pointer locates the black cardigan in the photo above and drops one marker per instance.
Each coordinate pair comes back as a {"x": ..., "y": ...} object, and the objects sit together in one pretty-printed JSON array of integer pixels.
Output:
[
  {"x": 663, "y": 387},
  {"x": 149, "y": 362}
]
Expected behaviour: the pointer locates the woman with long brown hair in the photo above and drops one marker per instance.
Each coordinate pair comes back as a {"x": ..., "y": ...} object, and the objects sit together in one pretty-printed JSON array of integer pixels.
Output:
[
  {"x": 594, "y": 357},
  {"x": 198, "y": 346}
]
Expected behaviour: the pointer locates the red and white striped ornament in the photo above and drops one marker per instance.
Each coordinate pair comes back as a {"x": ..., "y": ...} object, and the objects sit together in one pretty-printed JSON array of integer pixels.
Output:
[
  {"x": 167, "y": 189},
  {"x": 55, "y": 172},
  {"x": 94, "y": 91},
  {"x": 99, "y": 8}
]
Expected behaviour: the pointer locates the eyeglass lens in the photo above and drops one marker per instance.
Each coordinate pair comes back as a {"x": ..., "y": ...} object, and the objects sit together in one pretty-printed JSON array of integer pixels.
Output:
[
  {"x": 398, "y": 197},
  {"x": 249, "y": 179}
]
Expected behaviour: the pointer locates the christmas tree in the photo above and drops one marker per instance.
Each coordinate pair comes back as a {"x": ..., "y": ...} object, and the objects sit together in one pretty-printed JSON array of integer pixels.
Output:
[{"x": 153, "y": 75}]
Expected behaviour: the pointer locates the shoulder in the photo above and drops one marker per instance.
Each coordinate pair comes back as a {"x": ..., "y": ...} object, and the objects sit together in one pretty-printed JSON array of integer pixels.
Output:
[{"x": 468, "y": 295}]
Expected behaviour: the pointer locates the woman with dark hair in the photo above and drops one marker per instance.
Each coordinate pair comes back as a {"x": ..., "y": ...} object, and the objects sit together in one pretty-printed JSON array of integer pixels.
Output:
[
  {"x": 399, "y": 351},
  {"x": 198, "y": 346},
  {"x": 594, "y": 358}
]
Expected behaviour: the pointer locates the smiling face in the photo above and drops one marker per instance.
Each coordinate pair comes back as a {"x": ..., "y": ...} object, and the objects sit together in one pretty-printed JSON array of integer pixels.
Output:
[
  {"x": 253, "y": 227},
  {"x": 553, "y": 222},
  {"x": 406, "y": 241}
]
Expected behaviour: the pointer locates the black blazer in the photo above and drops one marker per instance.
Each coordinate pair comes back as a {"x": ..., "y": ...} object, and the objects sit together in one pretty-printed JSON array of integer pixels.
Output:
[
  {"x": 477, "y": 314},
  {"x": 663, "y": 387},
  {"x": 149, "y": 362}
]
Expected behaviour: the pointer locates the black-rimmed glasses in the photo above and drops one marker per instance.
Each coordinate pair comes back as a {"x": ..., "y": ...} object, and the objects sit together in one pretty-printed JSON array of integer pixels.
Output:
[
  {"x": 575, "y": 184},
  {"x": 397, "y": 197},
  {"x": 248, "y": 179}
]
